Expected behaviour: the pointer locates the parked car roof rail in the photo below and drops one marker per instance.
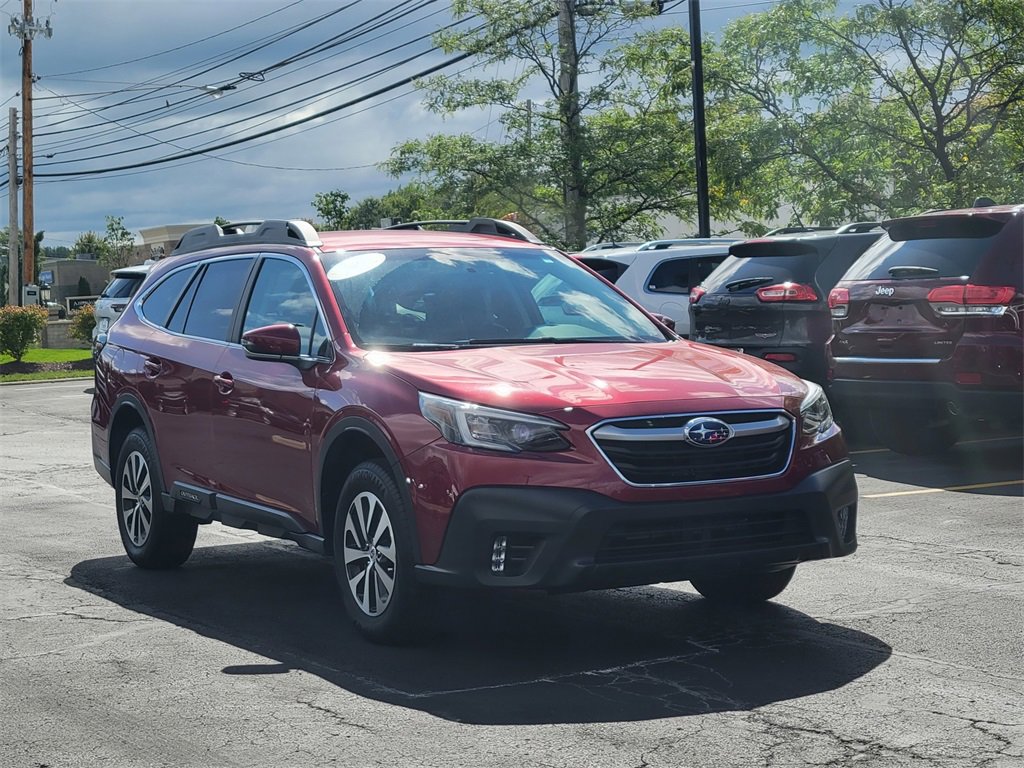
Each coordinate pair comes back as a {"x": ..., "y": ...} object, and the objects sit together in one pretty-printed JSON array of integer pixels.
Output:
[
  {"x": 275, "y": 231},
  {"x": 794, "y": 230},
  {"x": 479, "y": 224},
  {"x": 858, "y": 226}
]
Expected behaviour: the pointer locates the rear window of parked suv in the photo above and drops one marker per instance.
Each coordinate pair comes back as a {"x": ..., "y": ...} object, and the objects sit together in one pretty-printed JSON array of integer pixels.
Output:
[
  {"x": 782, "y": 262},
  {"x": 122, "y": 287},
  {"x": 950, "y": 247}
]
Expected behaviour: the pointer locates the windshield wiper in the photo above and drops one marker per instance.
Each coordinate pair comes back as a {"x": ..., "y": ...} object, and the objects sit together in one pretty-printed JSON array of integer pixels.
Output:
[
  {"x": 748, "y": 282},
  {"x": 912, "y": 271},
  {"x": 418, "y": 346},
  {"x": 549, "y": 340}
]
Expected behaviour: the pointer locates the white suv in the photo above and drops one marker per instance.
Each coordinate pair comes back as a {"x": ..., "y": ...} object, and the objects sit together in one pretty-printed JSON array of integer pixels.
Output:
[
  {"x": 660, "y": 279},
  {"x": 124, "y": 282}
]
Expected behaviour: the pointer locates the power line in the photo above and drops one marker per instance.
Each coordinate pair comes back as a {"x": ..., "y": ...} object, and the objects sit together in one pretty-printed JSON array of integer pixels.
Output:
[{"x": 385, "y": 89}]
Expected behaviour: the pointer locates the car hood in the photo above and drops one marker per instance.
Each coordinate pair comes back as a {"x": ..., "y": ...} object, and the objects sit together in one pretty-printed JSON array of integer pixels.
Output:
[{"x": 548, "y": 377}]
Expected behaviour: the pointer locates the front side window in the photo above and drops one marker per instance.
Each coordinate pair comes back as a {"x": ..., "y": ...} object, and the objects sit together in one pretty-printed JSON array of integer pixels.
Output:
[
  {"x": 215, "y": 299},
  {"x": 282, "y": 295},
  {"x": 418, "y": 298}
]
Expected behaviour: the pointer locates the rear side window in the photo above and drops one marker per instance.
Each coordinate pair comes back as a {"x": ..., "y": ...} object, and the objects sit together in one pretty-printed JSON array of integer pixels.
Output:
[
  {"x": 160, "y": 302},
  {"x": 797, "y": 267},
  {"x": 122, "y": 287},
  {"x": 218, "y": 293},
  {"x": 609, "y": 270},
  {"x": 945, "y": 248},
  {"x": 681, "y": 275}
]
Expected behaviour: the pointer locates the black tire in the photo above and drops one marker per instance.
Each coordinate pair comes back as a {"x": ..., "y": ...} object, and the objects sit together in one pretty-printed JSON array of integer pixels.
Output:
[
  {"x": 153, "y": 537},
  {"x": 914, "y": 433},
  {"x": 744, "y": 587},
  {"x": 373, "y": 558}
]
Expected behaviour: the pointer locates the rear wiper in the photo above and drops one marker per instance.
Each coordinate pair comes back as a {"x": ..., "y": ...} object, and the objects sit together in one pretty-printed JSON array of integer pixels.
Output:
[
  {"x": 748, "y": 282},
  {"x": 911, "y": 271}
]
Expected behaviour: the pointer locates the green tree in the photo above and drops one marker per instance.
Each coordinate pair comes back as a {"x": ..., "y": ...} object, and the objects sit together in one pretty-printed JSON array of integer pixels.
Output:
[
  {"x": 332, "y": 208},
  {"x": 898, "y": 106},
  {"x": 120, "y": 244},
  {"x": 91, "y": 244},
  {"x": 220, "y": 221},
  {"x": 559, "y": 163}
]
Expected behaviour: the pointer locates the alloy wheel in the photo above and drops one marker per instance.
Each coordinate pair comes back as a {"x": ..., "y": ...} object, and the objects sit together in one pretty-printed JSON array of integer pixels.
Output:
[
  {"x": 136, "y": 498},
  {"x": 369, "y": 553}
]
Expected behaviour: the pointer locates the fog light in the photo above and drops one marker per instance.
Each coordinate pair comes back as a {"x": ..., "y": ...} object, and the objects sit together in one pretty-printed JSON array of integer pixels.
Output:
[
  {"x": 843, "y": 521},
  {"x": 498, "y": 554}
]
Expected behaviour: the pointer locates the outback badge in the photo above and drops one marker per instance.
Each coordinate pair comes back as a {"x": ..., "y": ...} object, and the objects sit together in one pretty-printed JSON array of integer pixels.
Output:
[{"x": 706, "y": 431}]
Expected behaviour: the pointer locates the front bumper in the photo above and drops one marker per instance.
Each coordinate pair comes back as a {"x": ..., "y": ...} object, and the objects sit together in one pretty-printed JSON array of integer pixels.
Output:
[
  {"x": 569, "y": 539},
  {"x": 916, "y": 396}
]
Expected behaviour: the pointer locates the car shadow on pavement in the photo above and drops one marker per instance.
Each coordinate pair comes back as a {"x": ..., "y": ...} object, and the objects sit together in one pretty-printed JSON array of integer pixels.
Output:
[
  {"x": 618, "y": 655},
  {"x": 994, "y": 464}
]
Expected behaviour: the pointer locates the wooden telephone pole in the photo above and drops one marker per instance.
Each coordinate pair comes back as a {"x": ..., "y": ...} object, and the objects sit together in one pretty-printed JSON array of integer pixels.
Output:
[{"x": 26, "y": 28}]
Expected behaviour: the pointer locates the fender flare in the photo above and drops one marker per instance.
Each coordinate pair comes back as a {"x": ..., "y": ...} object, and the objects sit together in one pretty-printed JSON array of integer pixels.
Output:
[
  {"x": 131, "y": 401},
  {"x": 365, "y": 427}
]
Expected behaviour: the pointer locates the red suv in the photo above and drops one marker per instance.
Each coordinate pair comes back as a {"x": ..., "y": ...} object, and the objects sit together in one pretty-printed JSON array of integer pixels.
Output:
[
  {"x": 453, "y": 409},
  {"x": 927, "y": 327}
]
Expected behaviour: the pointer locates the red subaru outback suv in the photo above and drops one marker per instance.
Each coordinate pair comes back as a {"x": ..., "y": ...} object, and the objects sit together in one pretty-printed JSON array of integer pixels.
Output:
[
  {"x": 450, "y": 409},
  {"x": 927, "y": 327}
]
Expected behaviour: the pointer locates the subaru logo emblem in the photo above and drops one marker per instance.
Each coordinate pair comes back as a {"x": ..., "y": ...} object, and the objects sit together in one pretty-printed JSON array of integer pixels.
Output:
[{"x": 706, "y": 431}]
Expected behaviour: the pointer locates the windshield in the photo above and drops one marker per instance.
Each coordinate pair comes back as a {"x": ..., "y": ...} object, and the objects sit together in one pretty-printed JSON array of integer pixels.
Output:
[{"x": 422, "y": 298}]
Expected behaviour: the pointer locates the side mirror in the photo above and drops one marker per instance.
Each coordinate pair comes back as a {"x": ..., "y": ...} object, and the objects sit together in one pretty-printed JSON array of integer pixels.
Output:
[
  {"x": 280, "y": 342},
  {"x": 665, "y": 320}
]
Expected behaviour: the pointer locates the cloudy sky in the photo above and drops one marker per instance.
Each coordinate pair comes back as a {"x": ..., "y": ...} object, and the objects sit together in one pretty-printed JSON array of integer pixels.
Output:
[{"x": 122, "y": 86}]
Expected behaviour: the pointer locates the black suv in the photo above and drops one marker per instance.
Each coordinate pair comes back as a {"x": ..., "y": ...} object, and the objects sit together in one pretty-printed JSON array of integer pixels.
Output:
[
  {"x": 769, "y": 298},
  {"x": 928, "y": 327}
]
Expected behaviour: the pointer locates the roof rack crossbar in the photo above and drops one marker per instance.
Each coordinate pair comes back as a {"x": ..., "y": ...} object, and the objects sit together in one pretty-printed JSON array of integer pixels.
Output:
[{"x": 269, "y": 231}]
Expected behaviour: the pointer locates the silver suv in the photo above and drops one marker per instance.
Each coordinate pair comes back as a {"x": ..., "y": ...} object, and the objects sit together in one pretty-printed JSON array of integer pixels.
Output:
[{"x": 124, "y": 282}]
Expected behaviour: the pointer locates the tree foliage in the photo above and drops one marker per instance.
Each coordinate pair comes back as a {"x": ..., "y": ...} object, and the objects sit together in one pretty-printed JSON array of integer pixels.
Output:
[
  {"x": 119, "y": 244},
  {"x": 90, "y": 243},
  {"x": 558, "y": 145},
  {"x": 898, "y": 106}
]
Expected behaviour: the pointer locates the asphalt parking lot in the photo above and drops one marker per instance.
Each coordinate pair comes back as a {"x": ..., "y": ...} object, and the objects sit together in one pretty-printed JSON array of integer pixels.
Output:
[{"x": 908, "y": 653}]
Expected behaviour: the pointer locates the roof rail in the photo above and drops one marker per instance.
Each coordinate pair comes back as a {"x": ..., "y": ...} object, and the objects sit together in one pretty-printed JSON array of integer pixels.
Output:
[
  {"x": 795, "y": 230},
  {"x": 858, "y": 226},
  {"x": 480, "y": 225},
  {"x": 271, "y": 231}
]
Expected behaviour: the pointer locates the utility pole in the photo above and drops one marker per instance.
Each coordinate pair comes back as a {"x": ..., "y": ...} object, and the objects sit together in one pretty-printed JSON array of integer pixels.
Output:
[
  {"x": 574, "y": 196},
  {"x": 13, "y": 239},
  {"x": 27, "y": 28},
  {"x": 700, "y": 144}
]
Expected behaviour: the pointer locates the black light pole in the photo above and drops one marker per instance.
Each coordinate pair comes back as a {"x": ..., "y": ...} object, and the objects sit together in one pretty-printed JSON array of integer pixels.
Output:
[{"x": 700, "y": 145}]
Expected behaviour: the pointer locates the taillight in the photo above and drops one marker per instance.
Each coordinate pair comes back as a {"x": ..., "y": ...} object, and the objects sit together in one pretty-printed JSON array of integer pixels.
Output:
[
  {"x": 839, "y": 302},
  {"x": 966, "y": 300},
  {"x": 787, "y": 292},
  {"x": 695, "y": 293}
]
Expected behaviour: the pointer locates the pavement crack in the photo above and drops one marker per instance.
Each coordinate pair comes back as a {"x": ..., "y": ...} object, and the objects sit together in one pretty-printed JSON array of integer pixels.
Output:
[{"x": 338, "y": 717}]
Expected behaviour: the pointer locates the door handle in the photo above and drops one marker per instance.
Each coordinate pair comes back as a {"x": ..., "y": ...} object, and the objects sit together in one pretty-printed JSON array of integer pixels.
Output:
[
  {"x": 225, "y": 382},
  {"x": 152, "y": 367}
]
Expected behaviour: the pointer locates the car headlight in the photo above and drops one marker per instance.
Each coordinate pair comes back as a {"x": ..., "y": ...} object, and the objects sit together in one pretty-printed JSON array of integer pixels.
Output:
[
  {"x": 103, "y": 325},
  {"x": 815, "y": 412},
  {"x": 481, "y": 427}
]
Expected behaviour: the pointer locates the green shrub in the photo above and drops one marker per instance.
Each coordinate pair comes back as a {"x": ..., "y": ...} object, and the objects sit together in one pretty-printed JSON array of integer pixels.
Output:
[
  {"x": 19, "y": 328},
  {"x": 83, "y": 320}
]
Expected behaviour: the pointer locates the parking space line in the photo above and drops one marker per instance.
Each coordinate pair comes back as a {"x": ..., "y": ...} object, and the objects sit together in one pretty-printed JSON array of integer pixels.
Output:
[{"x": 971, "y": 487}]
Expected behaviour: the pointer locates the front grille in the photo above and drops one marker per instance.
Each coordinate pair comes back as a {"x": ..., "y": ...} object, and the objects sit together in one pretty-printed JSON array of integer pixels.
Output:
[
  {"x": 674, "y": 460},
  {"x": 708, "y": 533}
]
